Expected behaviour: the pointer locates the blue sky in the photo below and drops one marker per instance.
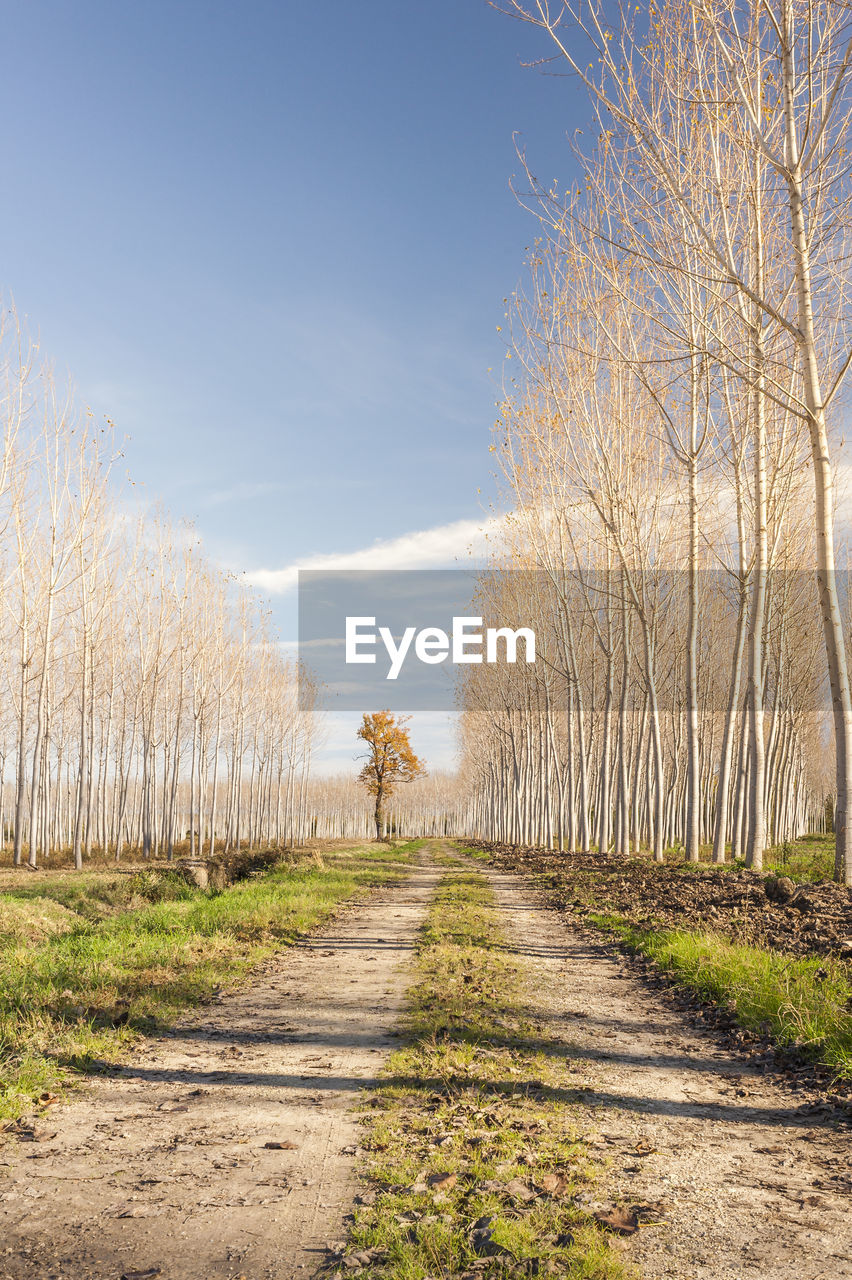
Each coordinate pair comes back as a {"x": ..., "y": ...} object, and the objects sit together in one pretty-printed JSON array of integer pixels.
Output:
[{"x": 271, "y": 241}]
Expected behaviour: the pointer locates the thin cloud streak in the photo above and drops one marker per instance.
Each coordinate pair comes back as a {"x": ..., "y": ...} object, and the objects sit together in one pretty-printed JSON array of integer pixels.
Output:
[
  {"x": 242, "y": 493},
  {"x": 446, "y": 544}
]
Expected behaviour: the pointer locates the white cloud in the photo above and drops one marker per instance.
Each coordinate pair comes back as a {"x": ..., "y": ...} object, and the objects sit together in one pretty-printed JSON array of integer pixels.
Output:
[{"x": 445, "y": 545}]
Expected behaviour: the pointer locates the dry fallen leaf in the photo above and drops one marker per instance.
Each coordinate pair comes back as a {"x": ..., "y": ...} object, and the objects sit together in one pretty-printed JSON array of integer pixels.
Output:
[
  {"x": 442, "y": 1181},
  {"x": 553, "y": 1183},
  {"x": 622, "y": 1221},
  {"x": 520, "y": 1190}
]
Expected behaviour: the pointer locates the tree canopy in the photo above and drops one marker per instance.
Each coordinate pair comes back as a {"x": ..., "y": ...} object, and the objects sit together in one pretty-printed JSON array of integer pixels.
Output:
[{"x": 389, "y": 759}]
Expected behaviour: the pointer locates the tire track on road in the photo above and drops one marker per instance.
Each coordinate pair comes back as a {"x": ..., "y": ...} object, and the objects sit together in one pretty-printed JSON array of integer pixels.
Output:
[
  {"x": 169, "y": 1162},
  {"x": 750, "y": 1187}
]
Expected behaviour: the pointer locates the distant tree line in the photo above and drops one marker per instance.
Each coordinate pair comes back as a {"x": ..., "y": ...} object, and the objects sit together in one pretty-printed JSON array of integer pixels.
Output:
[{"x": 146, "y": 703}]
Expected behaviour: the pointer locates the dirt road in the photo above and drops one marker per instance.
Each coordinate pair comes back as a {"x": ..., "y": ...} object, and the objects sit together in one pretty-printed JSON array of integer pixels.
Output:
[
  {"x": 225, "y": 1149},
  {"x": 747, "y": 1183}
]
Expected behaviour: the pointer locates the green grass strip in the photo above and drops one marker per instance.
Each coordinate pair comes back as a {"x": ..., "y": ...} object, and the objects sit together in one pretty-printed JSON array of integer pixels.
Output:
[
  {"x": 86, "y": 993},
  {"x": 475, "y": 1155},
  {"x": 807, "y": 859},
  {"x": 802, "y": 1002}
]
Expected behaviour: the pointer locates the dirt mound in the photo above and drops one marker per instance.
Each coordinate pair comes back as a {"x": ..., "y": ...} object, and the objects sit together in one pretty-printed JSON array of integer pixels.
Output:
[
  {"x": 744, "y": 906},
  {"x": 34, "y": 919}
]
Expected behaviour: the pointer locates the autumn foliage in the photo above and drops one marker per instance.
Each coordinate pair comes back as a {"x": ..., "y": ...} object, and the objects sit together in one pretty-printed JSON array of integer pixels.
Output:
[{"x": 389, "y": 759}]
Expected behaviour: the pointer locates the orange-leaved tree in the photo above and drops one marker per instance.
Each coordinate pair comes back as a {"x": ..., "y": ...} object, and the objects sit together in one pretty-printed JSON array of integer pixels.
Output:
[{"x": 389, "y": 758}]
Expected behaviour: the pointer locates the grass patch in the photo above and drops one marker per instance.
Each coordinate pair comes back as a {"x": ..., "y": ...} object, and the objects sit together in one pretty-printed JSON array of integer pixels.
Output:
[
  {"x": 475, "y": 1158},
  {"x": 480, "y": 854},
  {"x": 81, "y": 992},
  {"x": 803, "y": 1002},
  {"x": 57, "y": 902},
  {"x": 809, "y": 859}
]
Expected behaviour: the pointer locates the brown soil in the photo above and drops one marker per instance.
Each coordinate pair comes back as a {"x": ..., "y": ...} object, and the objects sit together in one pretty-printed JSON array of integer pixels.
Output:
[
  {"x": 227, "y": 1147},
  {"x": 815, "y": 920}
]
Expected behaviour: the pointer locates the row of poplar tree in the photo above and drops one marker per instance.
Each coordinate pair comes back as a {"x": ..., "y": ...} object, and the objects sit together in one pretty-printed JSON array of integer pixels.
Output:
[
  {"x": 146, "y": 702},
  {"x": 678, "y": 357}
]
